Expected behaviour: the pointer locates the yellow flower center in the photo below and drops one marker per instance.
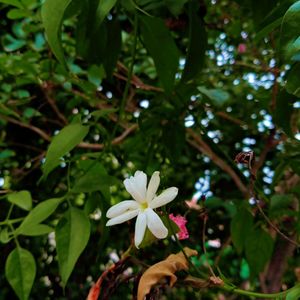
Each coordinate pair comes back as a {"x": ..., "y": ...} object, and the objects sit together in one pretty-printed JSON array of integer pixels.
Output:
[{"x": 143, "y": 206}]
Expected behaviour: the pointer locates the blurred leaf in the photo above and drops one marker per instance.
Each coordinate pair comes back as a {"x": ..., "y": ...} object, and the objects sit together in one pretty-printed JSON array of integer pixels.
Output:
[
  {"x": 96, "y": 74},
  {"x": 259, "y": 247},
  {"x": 283, "y": 111},
  {"x": 4, "y": 154},
  {"x": 62, "y": 143},
  {"x": 103, "y": 112},
  {"x": 94, "y": 179},
  {"x": 38, "y": 214},
  {"x": 241, "y": 226},
  {"x": 18, "y": 13},
  {"x": 294, "y": 294},
  {"x": 52, "y": 16},
  {"x": 197, "y": 44},
  {"x": 267, "y": 29},
  {"x": 15, "y": 3},
  {"x": 103, "y": 9},
  {"x": 293, "y": 84},
  {"x": 22, "y": 199},
  {"x": 162, "y": 48},
  {"x": 72, "y": 234},
  {"x": 280, "y": 201},
  {"x": 175, "y": 7},
  {"x": 30, "y": 112},
  {"x": 217, "y": 96},
  {"x": 290, "y": 27},
  {"x": 113, "y": 46},
  {"x": 4, "y": 236},
  {"x": 20, "y": 271}
]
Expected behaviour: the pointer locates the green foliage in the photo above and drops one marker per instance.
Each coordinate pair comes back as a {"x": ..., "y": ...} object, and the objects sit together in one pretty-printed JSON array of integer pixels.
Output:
[
  {"x": 62, "y": 143},
  {"x": 72, "y": 234},
  {"x": 21, "y": 199},
  {"x": 20, "y": 271},
  {"x": 91, "y": 91},
  {"x": 258, "y": 248},
  {"x": 162, "y": 48}
]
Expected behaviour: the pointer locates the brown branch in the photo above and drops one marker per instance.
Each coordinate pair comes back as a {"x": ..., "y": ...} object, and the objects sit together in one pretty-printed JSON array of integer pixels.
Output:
[
  {"x": 135, "y": 80},
  {"x": 201, "y": 146},
  {"x": 226, "y": 116},
  {"x": 116, "y": 141},
  {"x": 35, "y": 129},
  {"x": 47, "y": 89}
]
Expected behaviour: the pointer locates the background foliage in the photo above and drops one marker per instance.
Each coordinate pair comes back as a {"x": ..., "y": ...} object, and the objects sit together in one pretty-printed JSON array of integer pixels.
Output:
[{"x": 93, "y": 90}]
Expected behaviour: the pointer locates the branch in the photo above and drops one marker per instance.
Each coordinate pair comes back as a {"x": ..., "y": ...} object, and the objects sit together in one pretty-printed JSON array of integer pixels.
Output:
[
  {"x": 47, "y": 88},
  {"x": 37, "y": 130},
  {"x": 83, "y": 145},
  {"x": 200, "y": 145},
  {"x": 116, "y": 141}
]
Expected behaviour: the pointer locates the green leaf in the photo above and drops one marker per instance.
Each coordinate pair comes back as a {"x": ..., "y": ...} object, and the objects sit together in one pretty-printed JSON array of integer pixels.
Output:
[
  {"x": 113, "y": 46},
  {"x": 20, "y": 270},
  {"x": 16, "y": 13},
  {"x": 72, "y": 235},
  {"x": 268, "y": 29},
  {"x": 95, "y": 179},
  {"x": 64, "y": 142},
  {"x": 241, "y": 225},
  {"x": 52, "y": 16},
  {"x": 4, "y": 236},
  {"x": 37, "y": 229},
  {"x": 294, "y": 294},
  {"x": 279, "y": 205},
  {"x": 96, "y": 74},
  {"x": 162, "y": 48},
  {"x": 15, "y": 3},
  {"x": 197, "y": 44},
  {"x": 259, "y": 247},
  {"x": 103, "y": 9},
  {"x": 283, "y": 111},
  {"x": 38, "y": 214},
  {"x": 290, "y": 26},
  {"x": 293, "y": 84},
  {"x": 217, "y": 96},
  {"x": 22, "y": 199}
]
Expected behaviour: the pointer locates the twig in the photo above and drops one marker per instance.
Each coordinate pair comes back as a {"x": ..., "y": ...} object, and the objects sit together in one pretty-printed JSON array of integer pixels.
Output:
[
  {"x": 47, "y": 88},
  {"x": 116, "y": 141},
  {"x": 37, "y": 130},
  {"x": 204, "y": 248},
  {"x": 201, "y": 146}
]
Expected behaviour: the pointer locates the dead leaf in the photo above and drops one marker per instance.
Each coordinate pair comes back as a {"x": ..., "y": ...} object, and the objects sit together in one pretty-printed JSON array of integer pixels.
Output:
[{"x": 164, "y": 269}]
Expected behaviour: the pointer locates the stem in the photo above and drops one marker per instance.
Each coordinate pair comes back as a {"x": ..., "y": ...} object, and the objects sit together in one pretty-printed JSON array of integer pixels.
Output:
[
  {"x": 12, "y": 221},
  {"x": 130, "y": 72},
  {"x": 229, "y": 288}
]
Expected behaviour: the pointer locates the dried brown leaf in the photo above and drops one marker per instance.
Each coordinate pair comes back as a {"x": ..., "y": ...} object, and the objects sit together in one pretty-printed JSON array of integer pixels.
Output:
[{"x": 164, "y": 269}]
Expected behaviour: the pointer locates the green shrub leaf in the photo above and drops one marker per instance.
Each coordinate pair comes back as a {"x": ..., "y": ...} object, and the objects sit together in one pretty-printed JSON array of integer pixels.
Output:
[
  {"x": 20, "y": 270},
  {"x": 72, "y": 234}
]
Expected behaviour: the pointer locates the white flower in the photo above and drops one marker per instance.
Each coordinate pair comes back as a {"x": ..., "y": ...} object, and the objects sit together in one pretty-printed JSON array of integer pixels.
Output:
[{"x": 143, "y": 205}]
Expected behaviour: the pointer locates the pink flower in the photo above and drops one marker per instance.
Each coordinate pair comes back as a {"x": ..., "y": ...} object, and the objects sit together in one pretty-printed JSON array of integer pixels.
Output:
[
  {"x": 242, "y": 48},
  {"x": 180, "y": 221}
]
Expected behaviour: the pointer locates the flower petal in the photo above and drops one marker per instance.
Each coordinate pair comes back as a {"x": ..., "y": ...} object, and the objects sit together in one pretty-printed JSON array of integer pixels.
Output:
[
  {"x": 152, "y": 186},
  {"x": 140, "y": 228},
  {"x": 136, "y": 186},
  {"x": 165, "y": 197},
  {"x": 121, "y": 208},
  {"x": 155, "y": 224},
  {"x": 123, "y": 217}
]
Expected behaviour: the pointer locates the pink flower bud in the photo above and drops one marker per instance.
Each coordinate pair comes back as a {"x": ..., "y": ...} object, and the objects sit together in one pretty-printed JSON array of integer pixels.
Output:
[{"x": 242, "y": 48}]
